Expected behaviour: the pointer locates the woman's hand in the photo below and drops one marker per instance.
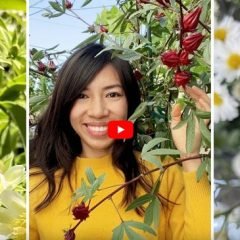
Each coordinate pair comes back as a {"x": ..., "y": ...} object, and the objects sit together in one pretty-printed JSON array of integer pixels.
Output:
[{"x": 203, "y": 103}]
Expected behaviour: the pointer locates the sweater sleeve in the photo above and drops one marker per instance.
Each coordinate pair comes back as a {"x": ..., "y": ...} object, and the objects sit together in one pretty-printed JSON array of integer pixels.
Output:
[{"x": 188, "y": 217}]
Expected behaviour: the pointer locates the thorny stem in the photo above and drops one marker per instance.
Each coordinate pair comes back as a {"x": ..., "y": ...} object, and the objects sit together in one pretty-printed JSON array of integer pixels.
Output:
[{"x": 109, "y": 196}]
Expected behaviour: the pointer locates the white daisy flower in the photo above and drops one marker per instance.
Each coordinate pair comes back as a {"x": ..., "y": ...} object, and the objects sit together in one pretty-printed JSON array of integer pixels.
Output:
[
  {"x": 226, "y": 29},
  {"x": 227, "y": 59},
  {"x": 225, "y": 106},
  {"x": 236, "y": 90}
]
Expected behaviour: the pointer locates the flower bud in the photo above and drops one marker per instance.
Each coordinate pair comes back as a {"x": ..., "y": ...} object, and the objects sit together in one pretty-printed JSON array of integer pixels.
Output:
[
  {"x": 68, "y": 4},
  {"x": 81, "y": 211},
  {"x": 69, "y": 235},
  {"x": 190, "y": 20},
  {"x": 52, "y": 66},
  {"x": 183, "y": 58},
  {"x": 164, "y": 3},
  {"x": 192, "y": 42},
  {"x": 170, "y": 58},
  {"x": 103, "y": 29},
  {"x": 138, "y": 75},
  {"x": 41, "y": 66},
  {"x": 181, "y": 78}
]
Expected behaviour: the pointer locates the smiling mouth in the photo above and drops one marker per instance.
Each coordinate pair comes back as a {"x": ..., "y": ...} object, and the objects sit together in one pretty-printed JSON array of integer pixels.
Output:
[{"x": 97, "y": 130}]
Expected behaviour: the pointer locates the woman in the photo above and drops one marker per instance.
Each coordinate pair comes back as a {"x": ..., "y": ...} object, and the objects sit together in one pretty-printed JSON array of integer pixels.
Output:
[{"x": 72, "y": 135}]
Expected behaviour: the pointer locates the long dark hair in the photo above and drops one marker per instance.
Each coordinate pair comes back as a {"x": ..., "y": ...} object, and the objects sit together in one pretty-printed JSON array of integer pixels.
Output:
[{"x": 56, "y": 145}]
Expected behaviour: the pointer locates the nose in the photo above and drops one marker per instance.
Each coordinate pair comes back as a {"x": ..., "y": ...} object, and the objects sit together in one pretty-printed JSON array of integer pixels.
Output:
[{"x": 97, "y": 108}]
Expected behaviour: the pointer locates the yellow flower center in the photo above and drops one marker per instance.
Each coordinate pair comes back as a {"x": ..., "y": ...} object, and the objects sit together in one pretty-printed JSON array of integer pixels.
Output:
[
  {"x": 218, "y": 101},
  {"x": 233, "y": 61},
  {"x": 220, "y": 34}
]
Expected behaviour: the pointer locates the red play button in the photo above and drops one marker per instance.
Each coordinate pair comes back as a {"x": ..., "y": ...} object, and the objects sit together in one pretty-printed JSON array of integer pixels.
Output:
[{"x": 120, "y": 129}]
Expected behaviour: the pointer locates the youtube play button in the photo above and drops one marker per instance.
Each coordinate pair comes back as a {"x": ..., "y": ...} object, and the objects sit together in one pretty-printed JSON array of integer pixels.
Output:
[{"x": 121, "y": 129}]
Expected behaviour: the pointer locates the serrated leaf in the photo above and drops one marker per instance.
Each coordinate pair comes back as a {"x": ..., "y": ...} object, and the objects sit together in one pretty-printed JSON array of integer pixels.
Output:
[
  {"x": 56, "y": 6},
  {"x": 86, "y": 3},
  {"x": 132, "y": 235},
  {"x": 190, "y": 133},
  {"x": 118, "y": 232},
  {"x": 152, "y": 144},
  {"x": 142, "y": 226},
  {"x": 139, "y": 201},
  {"x": 90, "y": 175}
]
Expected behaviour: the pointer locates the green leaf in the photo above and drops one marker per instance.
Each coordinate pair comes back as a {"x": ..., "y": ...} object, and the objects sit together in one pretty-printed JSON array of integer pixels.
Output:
[
  {"x": 89, "y": 40},
  {"x": 132, "y": 235},
  {"x": 190, "y": 133},
  {"x": 204, "y": 131},
  {"x": 86, "y": 3},
  {"x": 203, "y": 114},
  {"x": 156, "y": 186},
  {"x": 142, "y": 226},
  {"x": 129, "y": 55},
  {"x": 201, "y": 169},
  {"x": 138, "y": 112},
  {"x": 13, "y": 5},
  {"x": 139, "y": 201},
  {"x": 56, "y": 6},
  {"x": 118, "y": 232},
  {"x": 11, "y": 91},
  {"x": 152, "y": 144},
  {"x": 90, "y": 175},
  {"x": 38, "y": 55},
  {"x": 152, "y": 159},
  {"x": 180, "y": 124},
  {"x": 164, "y": 151},
  {"x": 18, "y": 114},
  {"x": 152, "y": 213}
]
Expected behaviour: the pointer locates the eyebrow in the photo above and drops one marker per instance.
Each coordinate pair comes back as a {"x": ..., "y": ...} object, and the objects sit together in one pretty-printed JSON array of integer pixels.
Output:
[{"x": 109, "y": 87}]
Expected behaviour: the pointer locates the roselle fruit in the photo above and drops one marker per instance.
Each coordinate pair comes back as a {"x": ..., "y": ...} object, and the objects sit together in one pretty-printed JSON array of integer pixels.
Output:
[
  {"x": 81, "y": 212},
  {"x": 68, "y": 4},
  {"x": 170, "y": 58},
  {"x": 41, "y": 66},
  {"x": 190, "y": 20},
  {"x": 138, "y": 75},
  {"x": 192, "y": 42},
  {"x": 184, "y": 58},
  {"x": 103, "y": 29},
  {"x": 181, "y": 78},
  {"x": 69, "y": 235},
  {"x": 52, "y": 66}
]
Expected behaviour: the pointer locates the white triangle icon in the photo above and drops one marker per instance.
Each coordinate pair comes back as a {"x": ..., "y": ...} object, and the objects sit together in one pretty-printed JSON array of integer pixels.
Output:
[{"x": 120, "y": 129}]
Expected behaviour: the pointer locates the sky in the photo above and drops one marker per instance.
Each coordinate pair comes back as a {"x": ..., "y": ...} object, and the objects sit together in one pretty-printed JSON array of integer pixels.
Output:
[{"x": 64, "y": 30}]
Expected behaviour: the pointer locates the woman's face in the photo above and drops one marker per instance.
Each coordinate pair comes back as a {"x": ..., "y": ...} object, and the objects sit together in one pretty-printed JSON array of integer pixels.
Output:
[{"x": 102, "y": 101}]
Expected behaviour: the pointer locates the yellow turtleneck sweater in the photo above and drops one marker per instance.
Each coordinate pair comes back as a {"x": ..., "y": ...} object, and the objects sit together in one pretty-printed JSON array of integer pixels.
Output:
[{"x": 189, "y": 219}]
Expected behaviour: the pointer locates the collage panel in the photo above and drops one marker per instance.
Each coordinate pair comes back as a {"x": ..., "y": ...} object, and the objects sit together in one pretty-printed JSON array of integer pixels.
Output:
[
  {"x": 13, "y": 120},
  {"x": 119, "y": 120},
  {"x": 226, "y": 120}
]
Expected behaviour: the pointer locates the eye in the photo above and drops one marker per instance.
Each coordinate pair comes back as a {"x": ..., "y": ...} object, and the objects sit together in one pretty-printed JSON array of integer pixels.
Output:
[
  {"x": 114, "y": 95},
  {"x": 82, "y": 96}
]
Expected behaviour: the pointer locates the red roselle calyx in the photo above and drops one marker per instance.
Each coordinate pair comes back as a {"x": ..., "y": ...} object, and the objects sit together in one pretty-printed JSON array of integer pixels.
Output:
[
  {"x": 81, "y": 212},
  {"x": 192, "y": 42},
  {"x": 184, "y": 58},
  {"x": 68, "y": 4},
  {"x": 41, "y": 66},
  {"x": 52, "y": 66},
  {"x": 165, "y": 3},
  {"x": 170, "y": 58},
  {"x": 181, "y": 78},
  {"x": 190, "y": 20},
  {"x": 103, "y": 29},
  {"x": 69, "y": 235},
  {"x": 138, "y": 75}
]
